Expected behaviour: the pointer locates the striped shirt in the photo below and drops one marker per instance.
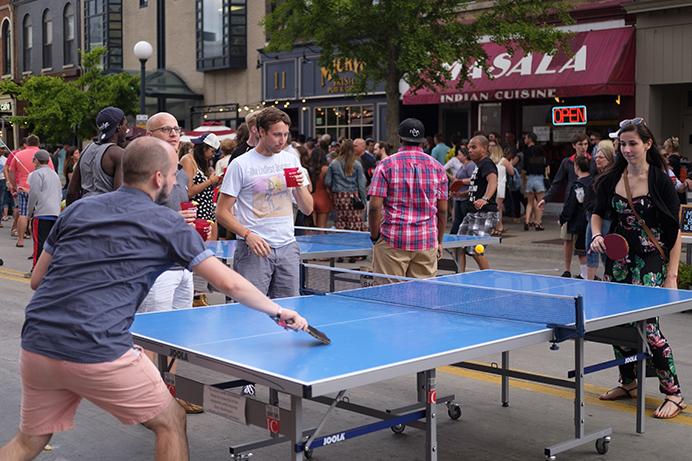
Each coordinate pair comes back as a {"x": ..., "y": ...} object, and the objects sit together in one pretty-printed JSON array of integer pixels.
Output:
[{"x": 410, "y": 182}]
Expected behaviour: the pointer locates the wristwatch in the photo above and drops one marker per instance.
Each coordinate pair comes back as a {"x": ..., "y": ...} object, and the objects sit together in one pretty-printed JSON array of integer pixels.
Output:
[{"x": 485, "y": 198}]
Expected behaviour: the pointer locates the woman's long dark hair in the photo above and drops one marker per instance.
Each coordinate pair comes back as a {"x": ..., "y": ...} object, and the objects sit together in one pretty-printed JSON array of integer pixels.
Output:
[
  {"x": 198, "y": 154},
  {"x": 653, "y": 156},
  {"x": 318, "y": 159}
]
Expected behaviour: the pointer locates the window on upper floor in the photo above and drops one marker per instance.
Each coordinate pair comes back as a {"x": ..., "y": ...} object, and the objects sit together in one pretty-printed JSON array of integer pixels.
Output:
[
  {"x": 27, "y": 38},
  {"x": 103, "y": 23},
  {"x": 221, "y": 34},
  {"x": 6, "y": 48},
  {"x": 68, "y": 34},
  {"x": 47, "y": 22},
  {"x": 143, "y": 3}
]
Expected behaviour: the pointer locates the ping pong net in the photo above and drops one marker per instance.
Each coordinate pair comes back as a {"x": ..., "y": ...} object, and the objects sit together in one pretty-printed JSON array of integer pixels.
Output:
[{"x": 555, "y": 311}]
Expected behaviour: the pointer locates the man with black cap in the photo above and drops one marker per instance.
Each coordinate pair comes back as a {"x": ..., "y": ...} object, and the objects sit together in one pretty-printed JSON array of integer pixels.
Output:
[
  {"x": 45, "y": 194},
  {"x": 408, "y": 208},
  {"x": 99, "y": 168}
]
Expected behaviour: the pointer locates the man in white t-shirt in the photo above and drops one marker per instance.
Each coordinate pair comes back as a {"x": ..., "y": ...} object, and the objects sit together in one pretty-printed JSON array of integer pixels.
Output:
[{"x": 267, "y": 253}]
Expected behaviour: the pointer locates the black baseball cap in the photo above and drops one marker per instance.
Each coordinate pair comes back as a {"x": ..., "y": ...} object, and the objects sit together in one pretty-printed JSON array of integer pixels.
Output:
[
  {"x": 107, "y": 122},
  {"x": 412, "y": 130}
]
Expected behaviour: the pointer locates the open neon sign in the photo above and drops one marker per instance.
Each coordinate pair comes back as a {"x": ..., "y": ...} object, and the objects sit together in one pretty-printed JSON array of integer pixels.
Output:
[{"x": 569, "y": 115}]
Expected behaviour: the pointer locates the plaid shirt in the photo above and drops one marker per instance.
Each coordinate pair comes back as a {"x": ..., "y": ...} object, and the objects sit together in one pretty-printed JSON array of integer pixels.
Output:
[{"x": 410, "y": 182}]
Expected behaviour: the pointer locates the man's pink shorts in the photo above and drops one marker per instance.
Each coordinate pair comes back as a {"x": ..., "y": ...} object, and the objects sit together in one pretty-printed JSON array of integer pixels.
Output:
[{"x": 130, "y": 388}]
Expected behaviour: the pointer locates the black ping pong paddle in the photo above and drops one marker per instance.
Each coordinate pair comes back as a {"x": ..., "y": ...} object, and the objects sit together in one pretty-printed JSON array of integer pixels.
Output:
[
  {"x": 312, "y": 331},
  {"x": 616, "y": 246}
]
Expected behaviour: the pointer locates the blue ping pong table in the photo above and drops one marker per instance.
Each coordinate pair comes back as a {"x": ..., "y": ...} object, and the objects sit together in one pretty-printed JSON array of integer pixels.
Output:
[{"x": 389, "y": 331}]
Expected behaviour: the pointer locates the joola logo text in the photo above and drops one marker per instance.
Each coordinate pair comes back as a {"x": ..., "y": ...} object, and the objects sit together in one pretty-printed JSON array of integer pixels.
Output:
[
  {"x": 176, "y": 354},
  {"x": 335, "y": 438}
]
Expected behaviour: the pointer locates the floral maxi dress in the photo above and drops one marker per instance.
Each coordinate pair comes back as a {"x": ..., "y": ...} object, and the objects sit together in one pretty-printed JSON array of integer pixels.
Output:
[{"x": 643, "y": 265}]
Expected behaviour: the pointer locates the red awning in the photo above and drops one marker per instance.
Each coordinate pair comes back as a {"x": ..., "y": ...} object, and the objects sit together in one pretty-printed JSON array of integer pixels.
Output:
[{"x": 603, "y": 63}]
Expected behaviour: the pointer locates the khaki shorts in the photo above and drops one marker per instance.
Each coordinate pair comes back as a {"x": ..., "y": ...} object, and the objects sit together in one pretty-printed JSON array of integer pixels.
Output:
[
  {"x": 564, "y": 234},
  {"x": 402, "y": 263},
  {"x": 130, "y": 388}
]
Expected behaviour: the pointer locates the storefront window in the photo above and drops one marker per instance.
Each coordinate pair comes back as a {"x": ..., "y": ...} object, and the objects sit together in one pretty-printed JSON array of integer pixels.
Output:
[
  {"x": 345, "y": 121},
  {"x": 490, "y": 117}
]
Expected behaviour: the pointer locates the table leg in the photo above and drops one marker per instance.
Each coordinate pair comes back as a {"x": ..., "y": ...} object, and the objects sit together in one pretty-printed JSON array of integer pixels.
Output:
[
  {"x": 505, "y": 379},
  {"x": 332, "y": 275},
  {"x": 297, "y": 434},
  {"x": 429, "y": 392},
  {"x": 688, "y": 253},
  {"x": 579, "y": 388},
  {"x": 641, "y": 375}
]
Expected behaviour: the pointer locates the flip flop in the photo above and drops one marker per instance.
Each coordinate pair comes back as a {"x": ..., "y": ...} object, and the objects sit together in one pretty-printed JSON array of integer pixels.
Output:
[
  {"x": 619, "y": 393},
  {"x": 19, "y": 245},
  {"x": 681, "y": 405}
]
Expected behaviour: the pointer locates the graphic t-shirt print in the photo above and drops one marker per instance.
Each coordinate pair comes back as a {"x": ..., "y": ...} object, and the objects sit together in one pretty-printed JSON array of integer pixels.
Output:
[{"x": 270, "y": 196}]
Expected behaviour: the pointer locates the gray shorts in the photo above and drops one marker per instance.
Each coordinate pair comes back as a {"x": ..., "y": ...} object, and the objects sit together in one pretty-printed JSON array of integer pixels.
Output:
[{"x": 276, "y": 275}]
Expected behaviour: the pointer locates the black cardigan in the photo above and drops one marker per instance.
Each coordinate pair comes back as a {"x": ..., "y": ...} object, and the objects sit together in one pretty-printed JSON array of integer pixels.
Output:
[{"x": 663, "y": 196}]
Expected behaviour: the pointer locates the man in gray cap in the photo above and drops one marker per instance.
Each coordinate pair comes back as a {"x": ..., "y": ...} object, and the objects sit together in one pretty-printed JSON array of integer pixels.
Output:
[
  {"x": 45, "y": 194},
  {"x": 99, "y": 167},
  {"x": 408, "y": 208}
]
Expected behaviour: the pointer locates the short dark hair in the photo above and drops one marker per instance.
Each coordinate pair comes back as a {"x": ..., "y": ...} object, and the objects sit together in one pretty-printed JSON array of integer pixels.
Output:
[
  {"x": 270, "y": 116},
  {"x": 143, "y": 157},
  {"x": 579, "y": 137},
  {"x": 582, "y": 162},
  {"x": 32, "y": 140},
  {"x": 532, "y": 136}
]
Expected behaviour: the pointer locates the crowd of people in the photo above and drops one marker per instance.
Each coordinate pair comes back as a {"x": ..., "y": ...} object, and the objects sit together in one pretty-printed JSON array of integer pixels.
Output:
[{"x": 151, "y": 194}]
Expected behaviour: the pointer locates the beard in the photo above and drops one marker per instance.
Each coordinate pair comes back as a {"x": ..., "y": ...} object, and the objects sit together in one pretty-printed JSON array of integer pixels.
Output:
[{"x": 163, "y": 194}]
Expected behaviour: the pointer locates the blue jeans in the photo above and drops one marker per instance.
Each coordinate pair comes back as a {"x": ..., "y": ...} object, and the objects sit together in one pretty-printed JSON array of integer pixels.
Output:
[
  {"x": 3, "y": 191},
  {"x": 591, "y": 257}
]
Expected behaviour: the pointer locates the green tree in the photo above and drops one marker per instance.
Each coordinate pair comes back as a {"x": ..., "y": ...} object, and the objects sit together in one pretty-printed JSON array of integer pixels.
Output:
[
  {"x": 58, "y": 110},
  {"x": 413, "y": 40}
]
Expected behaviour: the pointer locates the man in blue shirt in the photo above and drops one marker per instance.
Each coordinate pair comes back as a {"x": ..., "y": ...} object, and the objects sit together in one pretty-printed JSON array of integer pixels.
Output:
[
  {"x": 439, "y": 152},
  {"x": 99, "y": 261}
]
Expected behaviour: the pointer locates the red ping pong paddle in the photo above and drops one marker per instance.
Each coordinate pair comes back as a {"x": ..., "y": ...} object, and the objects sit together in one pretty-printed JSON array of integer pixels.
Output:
[
  {"x": 456, "y": 185},
  {"x": 312, "y": 331},
  {"x": 616, "y": 246}
]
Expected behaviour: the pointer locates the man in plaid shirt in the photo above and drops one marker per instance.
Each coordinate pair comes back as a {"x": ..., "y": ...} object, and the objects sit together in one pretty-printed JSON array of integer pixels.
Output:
[{"x": 408, "y": 208}]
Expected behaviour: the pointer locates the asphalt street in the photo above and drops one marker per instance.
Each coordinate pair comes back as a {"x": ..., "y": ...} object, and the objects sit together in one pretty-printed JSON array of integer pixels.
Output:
[{"x": 538, "y": 415}]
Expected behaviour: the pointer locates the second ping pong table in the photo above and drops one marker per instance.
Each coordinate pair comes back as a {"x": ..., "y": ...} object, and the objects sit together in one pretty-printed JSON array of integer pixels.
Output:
[
  {"x": 389, "y": 331},
  {"x": 331, "y": 244}
]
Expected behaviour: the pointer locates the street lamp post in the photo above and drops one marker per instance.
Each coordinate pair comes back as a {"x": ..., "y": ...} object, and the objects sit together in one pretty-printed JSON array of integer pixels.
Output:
[{"x": 143, "y": 52}]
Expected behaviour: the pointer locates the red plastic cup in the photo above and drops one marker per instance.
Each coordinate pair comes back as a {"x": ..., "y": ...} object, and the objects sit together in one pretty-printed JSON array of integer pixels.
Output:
[
  {"x": 202, "y": 226},
  {"x": 187, "y": 205},
  {"x": 683, "y": 173},
  {"x": 290, "y": 174}
]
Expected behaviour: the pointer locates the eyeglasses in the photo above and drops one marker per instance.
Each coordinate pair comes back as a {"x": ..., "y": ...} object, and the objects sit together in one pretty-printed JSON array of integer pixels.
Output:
[
  {"x": 168, "y": 129},
  {"x": 634, "y": 121}
]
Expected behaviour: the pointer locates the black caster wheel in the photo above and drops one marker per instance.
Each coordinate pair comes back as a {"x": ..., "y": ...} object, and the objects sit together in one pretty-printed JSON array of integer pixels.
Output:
[
  {"x": 550, "y": 458},
  {"x": 308, "y": 453},
  {"x": 454, "y": 411},
  {"x": 398, "y": 428},
  {"x": 602, "y": 445}
]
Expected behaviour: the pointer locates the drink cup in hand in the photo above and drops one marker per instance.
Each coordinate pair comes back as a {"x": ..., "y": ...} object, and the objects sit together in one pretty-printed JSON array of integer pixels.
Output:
[
  {"x": 203, "y": 227},
  {"x": 291, "y": 179},
  {"x": 188, "y": 205}
]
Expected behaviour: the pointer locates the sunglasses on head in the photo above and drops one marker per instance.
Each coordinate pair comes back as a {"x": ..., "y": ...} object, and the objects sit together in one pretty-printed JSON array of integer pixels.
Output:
[{"x": 634, "y": 121}]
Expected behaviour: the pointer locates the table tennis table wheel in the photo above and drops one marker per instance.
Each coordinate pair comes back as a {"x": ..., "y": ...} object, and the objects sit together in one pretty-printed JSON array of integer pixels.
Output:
[
  {"x": 398, "y": 428},
  {"x": 454, "y": 411},
  {"x": 602, "y": 445},
  {"x": 308, "y": 453}
]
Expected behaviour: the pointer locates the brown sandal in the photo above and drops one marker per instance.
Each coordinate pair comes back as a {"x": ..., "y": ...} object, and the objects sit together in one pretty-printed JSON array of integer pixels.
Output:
[
  {"x": 681, "y": 405},
  {"x": 619, "y": 393}
]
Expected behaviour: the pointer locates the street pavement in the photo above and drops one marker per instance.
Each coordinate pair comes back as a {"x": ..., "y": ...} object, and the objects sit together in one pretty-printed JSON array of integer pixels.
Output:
[{"x": 538, "y": 415}]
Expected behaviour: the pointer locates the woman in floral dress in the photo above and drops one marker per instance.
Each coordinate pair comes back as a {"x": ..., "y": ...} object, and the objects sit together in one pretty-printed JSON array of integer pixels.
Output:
[{"x": 655, "y": 200}]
